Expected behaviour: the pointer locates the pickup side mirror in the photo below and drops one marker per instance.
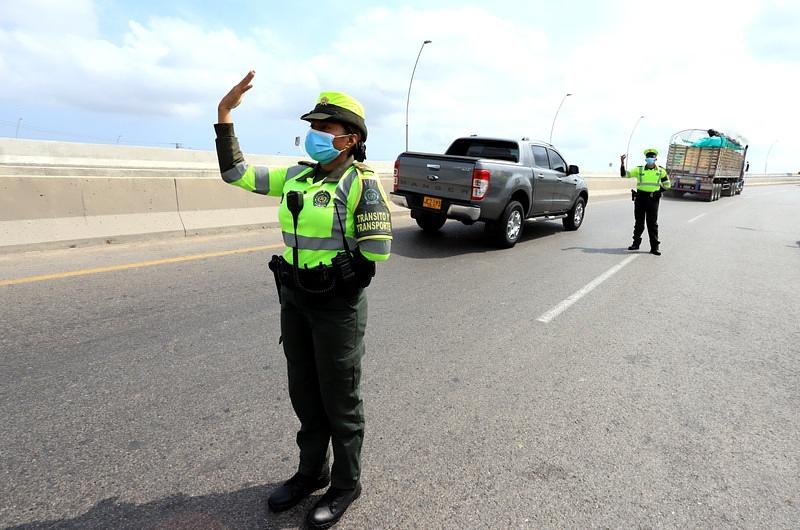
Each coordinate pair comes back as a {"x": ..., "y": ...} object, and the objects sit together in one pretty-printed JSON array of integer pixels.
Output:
[{"x": 573, "y": 170}]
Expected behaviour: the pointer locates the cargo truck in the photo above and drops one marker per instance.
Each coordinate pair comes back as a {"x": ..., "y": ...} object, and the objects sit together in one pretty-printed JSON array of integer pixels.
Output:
[{"x": 706, "y": 163}]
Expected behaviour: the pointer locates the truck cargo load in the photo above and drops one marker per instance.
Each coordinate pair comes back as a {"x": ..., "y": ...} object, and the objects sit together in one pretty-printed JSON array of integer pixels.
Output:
[{"x": 706, "y": 163}]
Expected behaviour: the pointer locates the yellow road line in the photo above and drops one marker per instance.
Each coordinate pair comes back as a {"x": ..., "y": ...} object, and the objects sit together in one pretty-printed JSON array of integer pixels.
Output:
[{"x": 139, "y": 265}]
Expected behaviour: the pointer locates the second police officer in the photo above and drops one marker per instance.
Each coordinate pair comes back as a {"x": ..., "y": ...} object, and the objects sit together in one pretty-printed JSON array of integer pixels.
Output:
[
  {"x": 336, "y": 224},
  {"x": 651, "y": 179}
]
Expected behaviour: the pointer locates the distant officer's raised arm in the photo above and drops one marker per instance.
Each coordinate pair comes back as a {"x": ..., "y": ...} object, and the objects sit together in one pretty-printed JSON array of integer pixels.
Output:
[{"x": 622, "y": 172}]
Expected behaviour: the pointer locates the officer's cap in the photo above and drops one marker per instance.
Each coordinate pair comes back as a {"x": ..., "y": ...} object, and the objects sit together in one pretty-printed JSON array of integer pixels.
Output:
[
  {"x": 651, "y": 150},
  {"x": 340, "y": 107}
]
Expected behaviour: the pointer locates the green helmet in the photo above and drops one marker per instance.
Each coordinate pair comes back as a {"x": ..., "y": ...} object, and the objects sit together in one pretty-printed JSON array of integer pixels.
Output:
[
  {"x": 651, "y": 150},
  {"x": 340, "y": 107}
]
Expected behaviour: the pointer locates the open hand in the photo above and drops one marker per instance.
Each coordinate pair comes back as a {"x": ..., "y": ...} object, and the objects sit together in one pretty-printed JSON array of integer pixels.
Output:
[{"x": 233, "y": 98}]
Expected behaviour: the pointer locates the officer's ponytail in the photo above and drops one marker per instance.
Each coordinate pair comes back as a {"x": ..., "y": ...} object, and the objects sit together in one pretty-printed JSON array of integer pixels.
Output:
[{"x": 359, "y": 151}]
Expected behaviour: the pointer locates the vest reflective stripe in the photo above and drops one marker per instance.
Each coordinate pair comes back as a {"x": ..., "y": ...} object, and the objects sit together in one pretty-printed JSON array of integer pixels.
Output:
[
  {"x": 259, "y": 179},
  {"x": 262, "y": 180},
  {"x": 345, "y": 184},
  {"x": 317, "y": 243},
  {"x": 296, "y": 171},
  {"x": 376, "y": 246},
  {"x": 319, "y": 232},
  {"x": 235, "y": 173},
  {"x": 251, "y": 178},
  {"x": 279, "y": 177},
  {"x": 650, "y": 185}
]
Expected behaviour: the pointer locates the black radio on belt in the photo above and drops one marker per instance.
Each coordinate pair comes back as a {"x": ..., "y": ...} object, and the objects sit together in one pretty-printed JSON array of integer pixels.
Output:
[{"x": 343, "y": 265}]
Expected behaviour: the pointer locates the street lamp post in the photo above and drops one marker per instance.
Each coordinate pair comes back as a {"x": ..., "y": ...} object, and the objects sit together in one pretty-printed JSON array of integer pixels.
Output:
[
  {"x": 408, "y": 97},
  {"x": 556, "y": 116},
  {"x": 766, "y": 159},
  {"x": 628, "y": 149}
]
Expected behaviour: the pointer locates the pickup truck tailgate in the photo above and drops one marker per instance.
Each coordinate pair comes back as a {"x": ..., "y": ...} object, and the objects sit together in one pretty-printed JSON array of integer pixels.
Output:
[{"x": 444, "y": 176}]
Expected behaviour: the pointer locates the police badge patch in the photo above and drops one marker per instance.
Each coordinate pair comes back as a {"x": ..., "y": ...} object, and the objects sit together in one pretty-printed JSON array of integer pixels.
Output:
[
  {"x": 322, "y": 199},
  {"x": 372, "y": 196}
]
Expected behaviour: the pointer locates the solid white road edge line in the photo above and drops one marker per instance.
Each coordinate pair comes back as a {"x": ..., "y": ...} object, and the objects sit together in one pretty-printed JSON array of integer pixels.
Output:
[{"x": 589, "y": 287}]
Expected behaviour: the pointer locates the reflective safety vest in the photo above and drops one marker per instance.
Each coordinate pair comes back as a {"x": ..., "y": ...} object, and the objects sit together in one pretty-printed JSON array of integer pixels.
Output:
[
  {"x": 354, "y": 202},
  {"x": 649, "y": 180}
]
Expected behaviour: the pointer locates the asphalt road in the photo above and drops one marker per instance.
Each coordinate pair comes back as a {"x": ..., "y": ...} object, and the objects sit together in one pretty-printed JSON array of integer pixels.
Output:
[{"x": 666, "y": 396}]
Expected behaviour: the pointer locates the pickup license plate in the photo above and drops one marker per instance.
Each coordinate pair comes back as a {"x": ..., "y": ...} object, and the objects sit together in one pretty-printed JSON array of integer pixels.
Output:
[{"x": 432, "y": 202}]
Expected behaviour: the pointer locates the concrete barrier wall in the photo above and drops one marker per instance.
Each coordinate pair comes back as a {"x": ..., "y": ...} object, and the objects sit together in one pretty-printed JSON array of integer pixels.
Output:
[
  {"x": 58, "y": 194},
  {"x": 46, "y": 157},
  {"x": 39, "y": 211}
]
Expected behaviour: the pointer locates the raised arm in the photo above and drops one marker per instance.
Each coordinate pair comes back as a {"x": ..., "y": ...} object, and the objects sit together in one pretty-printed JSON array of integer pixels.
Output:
[
  {"x": 622, "y": 172},
  {"x": 233, "y": 98},
  {"x": 232, "y": 165}
]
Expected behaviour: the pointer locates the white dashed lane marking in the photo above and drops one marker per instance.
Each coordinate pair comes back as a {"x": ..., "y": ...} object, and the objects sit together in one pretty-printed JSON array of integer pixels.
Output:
[{"x": 583, "y": 291}]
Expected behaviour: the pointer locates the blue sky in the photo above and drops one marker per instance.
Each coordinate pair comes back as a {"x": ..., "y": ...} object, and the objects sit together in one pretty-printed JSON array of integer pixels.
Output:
[{"x": 151, "y": 73}]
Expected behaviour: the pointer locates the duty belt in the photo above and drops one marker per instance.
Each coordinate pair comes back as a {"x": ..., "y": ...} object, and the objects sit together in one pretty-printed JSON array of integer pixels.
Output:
[{"x": 320, "y": 277}]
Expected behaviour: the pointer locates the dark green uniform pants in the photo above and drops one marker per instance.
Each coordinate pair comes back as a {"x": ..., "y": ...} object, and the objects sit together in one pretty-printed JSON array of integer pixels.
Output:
[{"x": 323, "y": 340}]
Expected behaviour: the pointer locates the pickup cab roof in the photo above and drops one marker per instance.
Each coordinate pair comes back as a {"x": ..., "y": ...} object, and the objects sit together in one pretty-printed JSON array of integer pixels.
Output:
[{"x": 490, "y": 148}]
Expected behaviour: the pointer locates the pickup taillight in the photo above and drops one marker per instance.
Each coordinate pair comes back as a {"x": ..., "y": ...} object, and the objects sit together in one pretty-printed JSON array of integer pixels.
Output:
[
  {"x": 480, "y": 183},
  {"x": 396, "y": 174}
]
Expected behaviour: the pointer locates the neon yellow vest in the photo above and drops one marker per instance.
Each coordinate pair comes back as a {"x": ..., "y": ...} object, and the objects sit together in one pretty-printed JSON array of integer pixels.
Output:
[{"x": 650, "y": 180}]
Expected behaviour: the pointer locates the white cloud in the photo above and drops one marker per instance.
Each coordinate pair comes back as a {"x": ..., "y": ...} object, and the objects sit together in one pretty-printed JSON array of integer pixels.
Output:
[
  {"x": 684, "y": 64},
  {"x": 164, "y": 67}
]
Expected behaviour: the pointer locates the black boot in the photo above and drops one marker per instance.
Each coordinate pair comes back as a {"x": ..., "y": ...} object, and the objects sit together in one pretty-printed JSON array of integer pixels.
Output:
[
  {"x": 635, "y": 246},
  {"x": 295, "y": 490},
  {"x": 331, "y": 507},
  {"x": 655, "y": 251}
]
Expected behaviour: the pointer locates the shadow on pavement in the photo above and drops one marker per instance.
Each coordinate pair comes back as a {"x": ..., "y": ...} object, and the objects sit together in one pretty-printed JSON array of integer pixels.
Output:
[
  {"x": 456, "y": 239},
  {"x": 686, "y": 197},
  {"x": 243, "y": 509},
  {"x": 590, "y": 250}
]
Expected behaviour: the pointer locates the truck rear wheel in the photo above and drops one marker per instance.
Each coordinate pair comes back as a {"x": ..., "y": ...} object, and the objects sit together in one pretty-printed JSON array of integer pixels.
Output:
[
  {"x": 506, "y": 231},
  {"x": 430, "y": 222},
  {"x": 729, "y": 191},
  {"x": 574, "y": 218}
]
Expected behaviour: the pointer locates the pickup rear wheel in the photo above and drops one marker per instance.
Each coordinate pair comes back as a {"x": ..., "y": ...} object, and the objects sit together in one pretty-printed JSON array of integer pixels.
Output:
[
  {"x": 430, "y": 222},
  {"x": 507, "y": 230},
  {"x": 574, "y": 218}
]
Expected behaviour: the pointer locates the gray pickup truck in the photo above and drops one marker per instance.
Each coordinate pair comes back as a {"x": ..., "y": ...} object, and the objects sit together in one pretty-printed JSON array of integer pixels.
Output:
[{"x": 495, "y": 181}]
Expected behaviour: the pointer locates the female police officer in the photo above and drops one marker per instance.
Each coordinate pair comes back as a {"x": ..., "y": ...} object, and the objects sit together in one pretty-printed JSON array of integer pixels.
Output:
[{"x": 336, "y": 225}]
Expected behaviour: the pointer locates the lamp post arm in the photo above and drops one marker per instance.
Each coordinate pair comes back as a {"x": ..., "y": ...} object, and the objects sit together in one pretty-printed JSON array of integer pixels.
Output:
[
  {"x": 628, "y": 148},
  {"x": 556, "y": 116},
  {"x": 408, "y": 96}
]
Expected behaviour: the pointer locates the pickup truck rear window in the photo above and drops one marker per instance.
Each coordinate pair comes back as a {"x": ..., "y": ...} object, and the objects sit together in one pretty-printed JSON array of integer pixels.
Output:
[
  {"x": 540, "y": 157},
  {"x": 492, "y": 149}
]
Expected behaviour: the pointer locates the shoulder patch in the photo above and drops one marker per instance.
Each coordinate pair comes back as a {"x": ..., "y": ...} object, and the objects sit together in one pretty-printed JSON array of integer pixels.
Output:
[{"x": 372, "y": 217}]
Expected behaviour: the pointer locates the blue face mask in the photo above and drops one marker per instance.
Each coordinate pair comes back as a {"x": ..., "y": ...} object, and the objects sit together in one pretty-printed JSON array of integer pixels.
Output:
[
  {"x": 650, "y": 160},
  {"x": 319, "y": 146}
]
